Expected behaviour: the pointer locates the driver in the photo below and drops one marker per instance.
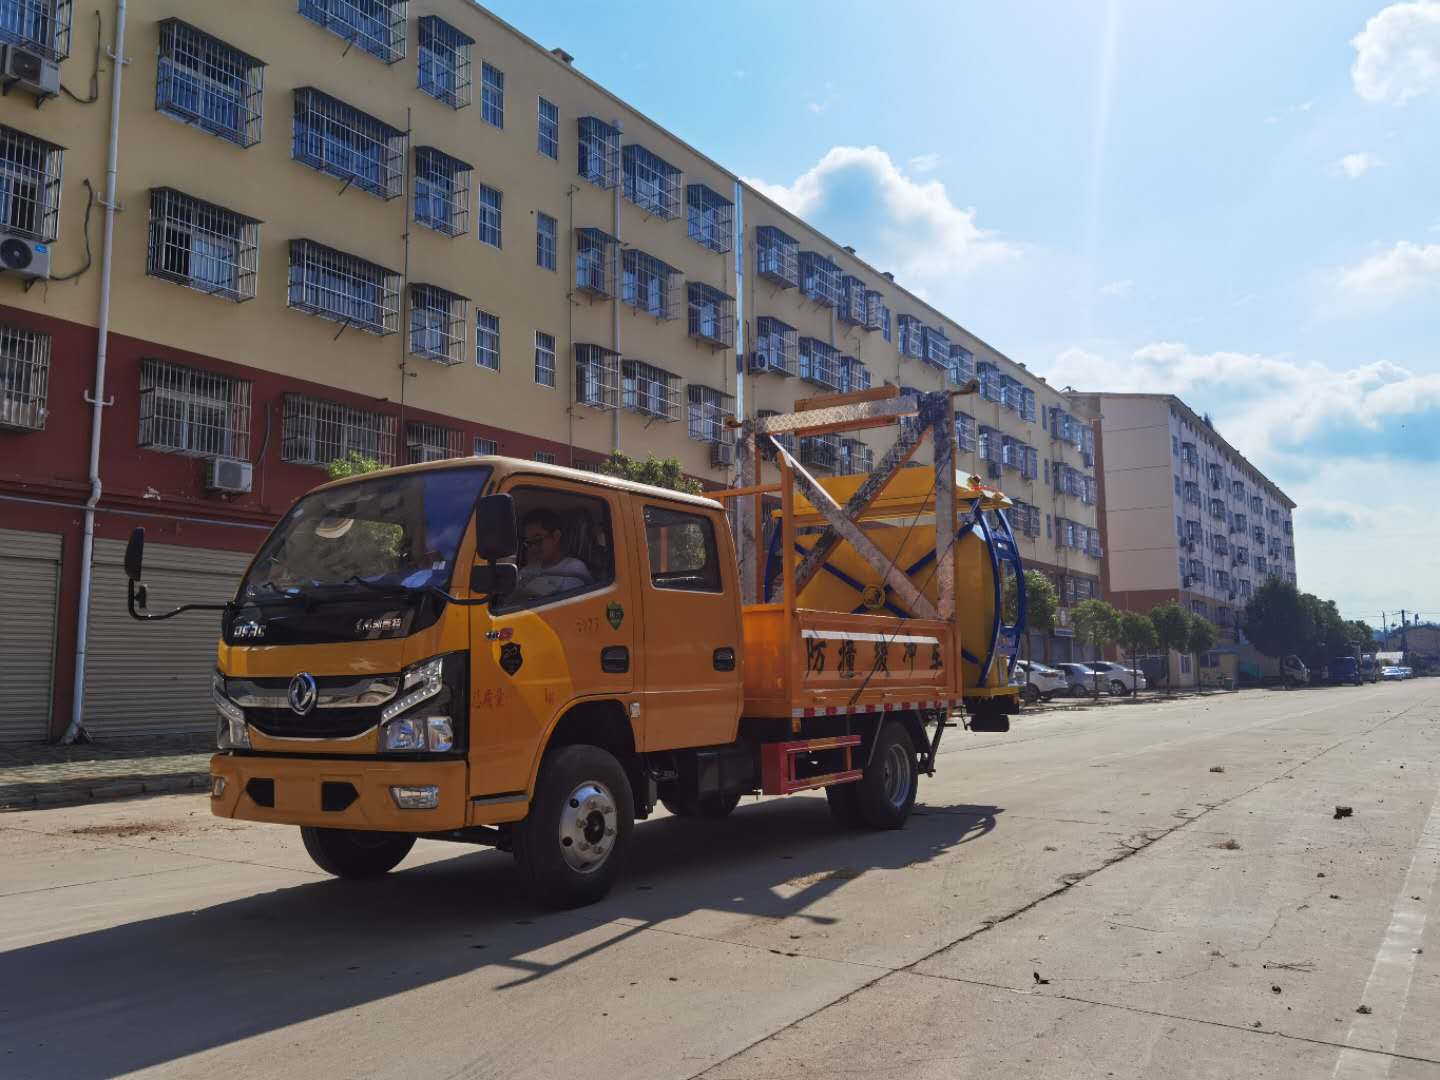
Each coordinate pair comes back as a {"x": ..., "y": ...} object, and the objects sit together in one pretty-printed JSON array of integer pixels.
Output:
[{"x": 547, "y": 569}]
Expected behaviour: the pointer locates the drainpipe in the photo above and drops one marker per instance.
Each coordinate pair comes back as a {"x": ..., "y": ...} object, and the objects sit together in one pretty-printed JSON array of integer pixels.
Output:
[
  {"x": 737, "y": 242},
  {"x": 614, "y": 303},
  {"x": 97, "y": 400}
]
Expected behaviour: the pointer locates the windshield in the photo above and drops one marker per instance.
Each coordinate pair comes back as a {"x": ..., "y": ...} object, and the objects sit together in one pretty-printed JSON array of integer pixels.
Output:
[{"x": 400, "y": 531}]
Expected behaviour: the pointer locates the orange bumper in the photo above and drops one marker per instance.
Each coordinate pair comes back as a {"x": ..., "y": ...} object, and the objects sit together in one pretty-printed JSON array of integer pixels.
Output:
[{"x": 356, "y": 792}]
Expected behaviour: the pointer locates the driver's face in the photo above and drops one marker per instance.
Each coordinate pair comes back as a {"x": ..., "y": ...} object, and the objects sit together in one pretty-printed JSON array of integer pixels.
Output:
[{"x": 542, "y": 545}]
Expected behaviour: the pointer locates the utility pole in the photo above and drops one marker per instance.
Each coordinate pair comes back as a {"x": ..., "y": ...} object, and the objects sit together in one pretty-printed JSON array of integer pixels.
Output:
[{"x": 1402, "y": 633}]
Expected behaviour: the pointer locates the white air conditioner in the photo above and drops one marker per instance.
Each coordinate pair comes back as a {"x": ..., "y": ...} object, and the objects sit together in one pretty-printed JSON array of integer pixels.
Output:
[
  {"x": 228, "y": 474},
  {"x": 23, "y": 256},
  {"x": 759, "y": 364},
  {"x": 30, "y": 71},
  {"x": 722, "y": 454}
]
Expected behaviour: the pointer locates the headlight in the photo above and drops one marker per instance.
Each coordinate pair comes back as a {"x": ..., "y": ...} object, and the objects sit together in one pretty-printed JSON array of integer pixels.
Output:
[
  {"x": 423, "y": 718},
  {"x": 232, "y": 732},
  {"x": 420, "y": 683},
  {"x": 418, "y": 733}
]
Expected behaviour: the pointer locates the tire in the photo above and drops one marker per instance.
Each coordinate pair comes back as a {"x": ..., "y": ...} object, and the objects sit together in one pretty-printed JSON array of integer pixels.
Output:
[
  {"x": 1031, "y": 693},
  {"x": 355, "y": 853},
  {"x": 885, "y": 795},
  {"x": 582, "y": 798},
  {"x": 713, "y": 807},
  {"x": 1118, "y": 688},
  {"x": 844, "y": 804},
  {"x": 1078, "y": 690}
]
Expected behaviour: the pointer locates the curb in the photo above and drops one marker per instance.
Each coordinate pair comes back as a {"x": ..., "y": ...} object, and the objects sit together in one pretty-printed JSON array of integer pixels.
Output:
[{"x": 79, "y": 792}]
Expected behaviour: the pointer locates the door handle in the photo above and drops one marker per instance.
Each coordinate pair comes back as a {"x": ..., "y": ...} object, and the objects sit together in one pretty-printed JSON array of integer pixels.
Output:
[
  {"x": 724, "y": 658},
  {"x": 615, "y": 659}
]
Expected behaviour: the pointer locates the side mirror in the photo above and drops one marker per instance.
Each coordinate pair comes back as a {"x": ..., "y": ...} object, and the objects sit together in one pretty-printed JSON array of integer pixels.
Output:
[
  {"x": 496, "y": 534},
  {"x": 135, "y": 554},
  {"x": 494, "y": 579}
]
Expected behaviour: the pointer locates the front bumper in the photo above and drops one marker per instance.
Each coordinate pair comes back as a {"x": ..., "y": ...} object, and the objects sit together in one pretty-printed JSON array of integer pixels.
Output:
[{"x": 298, "y": 790}]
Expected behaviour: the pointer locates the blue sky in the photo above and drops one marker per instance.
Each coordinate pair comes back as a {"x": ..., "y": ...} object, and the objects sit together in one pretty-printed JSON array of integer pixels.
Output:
[{"x": 1236, "y": 202}]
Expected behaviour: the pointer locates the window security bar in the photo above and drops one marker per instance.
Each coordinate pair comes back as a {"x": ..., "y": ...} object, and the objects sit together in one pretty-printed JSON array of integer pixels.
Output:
[
  {"x": 776, "y": 347},
  {"x": 599, "y": 152},
  {"x": 29, "y": 185},
  {"x": 344, "y": 288},
  {"x": 709, "y": 409},
  {"x": 710, "y": 218},
  {"x": 650, "y": 391},
  {"x": 186, "y": 410},
  {"x": 597, "y": 377},
  {"x": 595, "y": 262},
  {"x": 651, "y": 182},
  {"x": 202, "y": 246},
  {"x": 203, "y": 81},
  {"x": 777, "y": 257},
  {"x": 852, "y": 305},
  {"x": 432, "y": 442},
  {"x": 650, "y": 285},
  {"x": 442, "y": 191},
  {"x": 317, "y": 432},
  {"x": 819, "y": 364},
  {"x": 444, "y": 62},
  {"x": 40, "y": 25},
  {"x": 712, "y": 315},
  {"x": 438, "y": 319},
  {"x": 24, "y": 378},
  {"x": 341, "y": 141},
  {"x": 377, "y": 26},
  {"x": 819, "y": 278}
]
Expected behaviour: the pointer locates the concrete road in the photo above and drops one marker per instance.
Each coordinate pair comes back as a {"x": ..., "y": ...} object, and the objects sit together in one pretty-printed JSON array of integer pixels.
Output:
[{"x": 1157, "y": 890}]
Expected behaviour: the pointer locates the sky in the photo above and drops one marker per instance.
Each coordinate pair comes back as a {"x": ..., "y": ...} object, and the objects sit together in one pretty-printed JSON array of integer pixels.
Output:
[{"x": 1233, "y": 202}]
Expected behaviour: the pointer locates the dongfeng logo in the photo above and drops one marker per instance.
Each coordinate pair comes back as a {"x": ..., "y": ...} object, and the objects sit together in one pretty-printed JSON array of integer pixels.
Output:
[
  {"x": 241, "y": 631},
  {"x": 303, "y": 692}
]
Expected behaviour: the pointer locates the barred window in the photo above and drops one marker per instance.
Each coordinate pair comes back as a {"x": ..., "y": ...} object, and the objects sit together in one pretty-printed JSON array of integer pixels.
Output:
[
  {"x": 649, "y": 391},
  {"x": 317, "y": 432},
  {"x": 24, "y": 378},
  {"x": 597, "y": 377},
  {"x": 709, "y": 409},
  {"x": 544, "y": 457},
  {"x": 819, "y": 363},
  {"x": 876, "y": 316},
  {"x": 786, "y": 439},
  {"x": 544, "y": 358},
  {"x": 595, "y": 262},
  {"x": 856, "y": 375},
  {"x": 547, "y": 124},
  {"x": 486, "y": 447},
  {"x": 442, "y": 191},
  {"x": 202, "y": 246},
  {"x": 965, "y": 432},
  {"x": 340, "y": 140},
  {"x": 490, "y": 224},
  {"x": 487, "y": 340},
  {"x": 852, "y": 300},
  {"x": 937, "y": 347},
  {"x": 650, "y": 285},
  {"x": 820, "y": 450},
  {"x": 343, "y": 287},
  {"x": 432, "y": 442},
  {"x": 710, "y": 218},
  {"x": 912, "y": 337},
  {"x": 856, "y": 457},
  {"x": 599, "y": 152},
  {"x": 437, "y": 324},
  {"x": 962, "y": 365},
  {"x": 712, "y": 315},
  {"x": 492, "y": 95},
  {"x": 776, "y": 346},
  {"x": 377, "y": 26},
  {"x": 41, "y": 25},
  {"x": 185, "y": 410},
  {"x": 29, "y": 184},
  {"x": 203, "y": 81},
  {"x": 651, "y": 182},
  {"x": 819, "y": 278},
  {"x": 989, "y": 445},
  {"x": 444, "y": 62},
  {"x": 777, "y": 256},
  {"x": 546, "y": 231},
  {"x": 1027, "y": 404}
]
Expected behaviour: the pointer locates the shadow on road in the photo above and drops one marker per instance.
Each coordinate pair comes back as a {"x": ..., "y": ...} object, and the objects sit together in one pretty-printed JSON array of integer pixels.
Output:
[{"x": 144, "y": 993}]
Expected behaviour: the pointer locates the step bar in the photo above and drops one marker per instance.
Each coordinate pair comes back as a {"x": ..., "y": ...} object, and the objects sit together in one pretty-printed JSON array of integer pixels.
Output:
[{"x": 778, "y": 761}]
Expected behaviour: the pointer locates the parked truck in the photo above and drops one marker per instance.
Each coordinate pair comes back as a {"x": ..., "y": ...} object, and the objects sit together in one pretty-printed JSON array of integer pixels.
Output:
[{"x": 531, "y": 657}]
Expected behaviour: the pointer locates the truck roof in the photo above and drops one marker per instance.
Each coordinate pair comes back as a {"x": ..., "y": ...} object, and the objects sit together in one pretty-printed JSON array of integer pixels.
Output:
[{"x": 509, "y": 466}]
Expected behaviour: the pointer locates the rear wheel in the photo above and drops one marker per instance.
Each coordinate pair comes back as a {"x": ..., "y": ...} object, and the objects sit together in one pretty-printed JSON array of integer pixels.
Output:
[
  {"x": 1031, "y": 693},
  {"x": 355, "y": 853},
  {"x": 885, "y": 795},
  {"x": 1079, "y": 690},
  {"x": 709, "y": 806},
  {"x": 1118, "y": 688}
]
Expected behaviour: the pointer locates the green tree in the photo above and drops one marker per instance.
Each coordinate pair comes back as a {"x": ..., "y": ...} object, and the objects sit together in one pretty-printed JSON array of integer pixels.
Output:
[
  {"x": 1277, "y": 622},
  {"x": 1360, "y": 633},
  {"x": 658, "y": 472},
  {"x": 1172, "y": 633},
  {"x": 1200, "y": 639},
  {"x": 1097, "y": 624},
  {"x": 1326, "y": 636},
  {"x": 1041, "y": 603},
  {"x": 352, "y": 464},
  {"x": 1137, "y": 633},
  {"x": 369, "y": 543}
]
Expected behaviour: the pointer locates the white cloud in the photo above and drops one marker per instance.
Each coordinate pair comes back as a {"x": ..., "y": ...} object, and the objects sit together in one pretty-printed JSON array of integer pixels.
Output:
[
  {"x": 1357, "y": 165},
  {"x": 895, "y": 220},
  {"x": 1397, "y": 55},
  {"x": 923, "y": 163},
  {"x": 815, "y": 107},
  {"x": 1123, "y": 287},
  {"x": 1391, "y": 275}
]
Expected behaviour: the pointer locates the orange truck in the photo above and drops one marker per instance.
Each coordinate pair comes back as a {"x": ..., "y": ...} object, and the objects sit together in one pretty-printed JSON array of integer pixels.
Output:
[{"x": 495, "y": 651}]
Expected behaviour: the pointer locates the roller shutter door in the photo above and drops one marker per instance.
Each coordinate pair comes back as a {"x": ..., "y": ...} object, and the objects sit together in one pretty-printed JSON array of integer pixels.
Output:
[
  {"x": 29, "y": 593},
  {"x": 142, "y": 678}
]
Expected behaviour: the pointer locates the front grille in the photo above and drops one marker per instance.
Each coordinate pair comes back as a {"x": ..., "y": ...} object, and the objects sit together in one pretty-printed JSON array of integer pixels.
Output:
[{"x": 320, "y": 724}]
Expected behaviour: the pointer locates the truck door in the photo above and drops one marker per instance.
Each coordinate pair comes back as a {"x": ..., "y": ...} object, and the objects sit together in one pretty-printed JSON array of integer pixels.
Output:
[
  {"x": 690, "y": 631},
  {"x": 568, "y": 632}
]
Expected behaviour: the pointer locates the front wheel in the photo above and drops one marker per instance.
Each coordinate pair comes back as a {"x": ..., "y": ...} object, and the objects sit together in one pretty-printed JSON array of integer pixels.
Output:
[
  {"x": 571, "y": 845},
  {"x": 1079, "y": 690},
  {"x": 1118, "y": 688},
  {"x": 355, "y": 853},
  {"x": 1031, "y": 693},
  {"x": 885, "y": 795}
]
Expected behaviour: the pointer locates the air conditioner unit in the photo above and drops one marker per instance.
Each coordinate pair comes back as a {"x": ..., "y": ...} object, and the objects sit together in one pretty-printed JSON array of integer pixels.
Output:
[
  {"x": 722, "y": 454},
  {"x": 30, "y": 71},
  {"x": 23, "y": 256},
  {"x": 228, "y": 474},
  {"x": 759, "y": 364}
]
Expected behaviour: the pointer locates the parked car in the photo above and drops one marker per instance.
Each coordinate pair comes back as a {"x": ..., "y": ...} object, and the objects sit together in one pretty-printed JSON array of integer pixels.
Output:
[
  {"x": 1081, "y": 678},
  {"x": 1037, "y": 681},
  {"x": 1293, "y": 671},
  {"x": 1406, "y": 671},
  {"x": 1369, "y": 668},
  {"x": 1119, "y": 679},
  {"x": 1392, "y": 673},
  {"x": 1344, "y": 669}
]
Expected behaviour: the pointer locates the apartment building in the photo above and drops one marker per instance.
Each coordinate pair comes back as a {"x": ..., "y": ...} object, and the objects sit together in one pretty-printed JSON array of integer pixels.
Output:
[
  {"x": 407, "y": 231},
  {"x": 1184, "y": 515}
]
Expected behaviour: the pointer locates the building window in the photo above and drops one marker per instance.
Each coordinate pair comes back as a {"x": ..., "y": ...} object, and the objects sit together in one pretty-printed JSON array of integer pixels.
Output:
[
  {"x": 29, "y": 185},
  {"x": 317, "y": 432},
  {"x": 854, "y": 376},
  {"x": 885, "y": 322},
  {"x": 710, "y": 218},
  {"x": 442, "y": 191},
  {"x": 597, "y": 377},
  {"x": 776, "y": 346},
  {"x": 343, "y": 287},
  {"x": 937, "y": 347},
  {"x": 544, "y": 358},
  {"x": 962, "y": 365},
  {"x": 649, "y": 391},
  {"x": 712, "y": 315},
  {"x": 852, "y": 300},
  {"x": 595, "y": 262},
  {"x": 492, "y": 95},
  {"x": 185, "y": 410},
  {"x": 487, "y": 340},
  {"x": 856, "y": 457},
  {"x": 819, "y": 278},
  {"x": 1027, "y": 404},
  {"x": 599, "y": 158},
  {"x": 777, "y": 256},
  {"x": 203, "y": 81},
  {"x": 547, "y": 123},
  {"x": 24, "y": 378},
  {"x": 651, "y": 182},
  {"x": 42, "y": 26},
  {"x": 874, "y": 302},
  {"x": 432, "y": 442},
  {"x": 544, "y": 457},
  {"x": 444, "y": 62},
  {"x": 822, "y": 451},
  {"x": 965, "y": 437},
  {"x": 490, "y": 201},
  {"x": 437, "y": 324},
  {"x": 819, "y": 363},
  {"x": 650, "y": 285},
  {"x": 912, "y": 337},
  {"x": 545, "y": 241},
  {"x": 486, "y": 447},
  {"x": 377, "y": 26},
  {"x": 202, "y": 246},
  {"x": 709, "y": 409},
  {"x": 334, "y": 138},
  {"x": 1030, "y": 463}
]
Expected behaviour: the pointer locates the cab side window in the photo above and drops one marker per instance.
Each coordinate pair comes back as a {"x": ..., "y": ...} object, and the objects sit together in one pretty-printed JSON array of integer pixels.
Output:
[
  {"x": 682, "y": 550},
  {"x": 565, "y": 546}
]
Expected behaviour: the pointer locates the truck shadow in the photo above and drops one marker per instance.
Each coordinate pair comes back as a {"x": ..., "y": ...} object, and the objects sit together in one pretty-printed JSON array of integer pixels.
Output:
[{"x": 144, "y": 993}]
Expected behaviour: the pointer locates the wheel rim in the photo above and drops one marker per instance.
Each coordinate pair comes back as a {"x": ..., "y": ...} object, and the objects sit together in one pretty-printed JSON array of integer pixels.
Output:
[
  {"x": 897, "y": 768},
  {"x": 588, "y": 827},
  {"x": 1117, "y": 688}
]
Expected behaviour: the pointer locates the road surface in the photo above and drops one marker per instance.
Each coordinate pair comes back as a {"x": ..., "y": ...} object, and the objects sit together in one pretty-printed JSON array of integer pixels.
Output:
[{"x": 1151, "y": 890}]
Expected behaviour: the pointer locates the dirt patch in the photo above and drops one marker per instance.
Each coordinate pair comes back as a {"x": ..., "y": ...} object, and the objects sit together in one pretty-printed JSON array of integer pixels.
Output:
[{"x": 130, "y": 830}]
